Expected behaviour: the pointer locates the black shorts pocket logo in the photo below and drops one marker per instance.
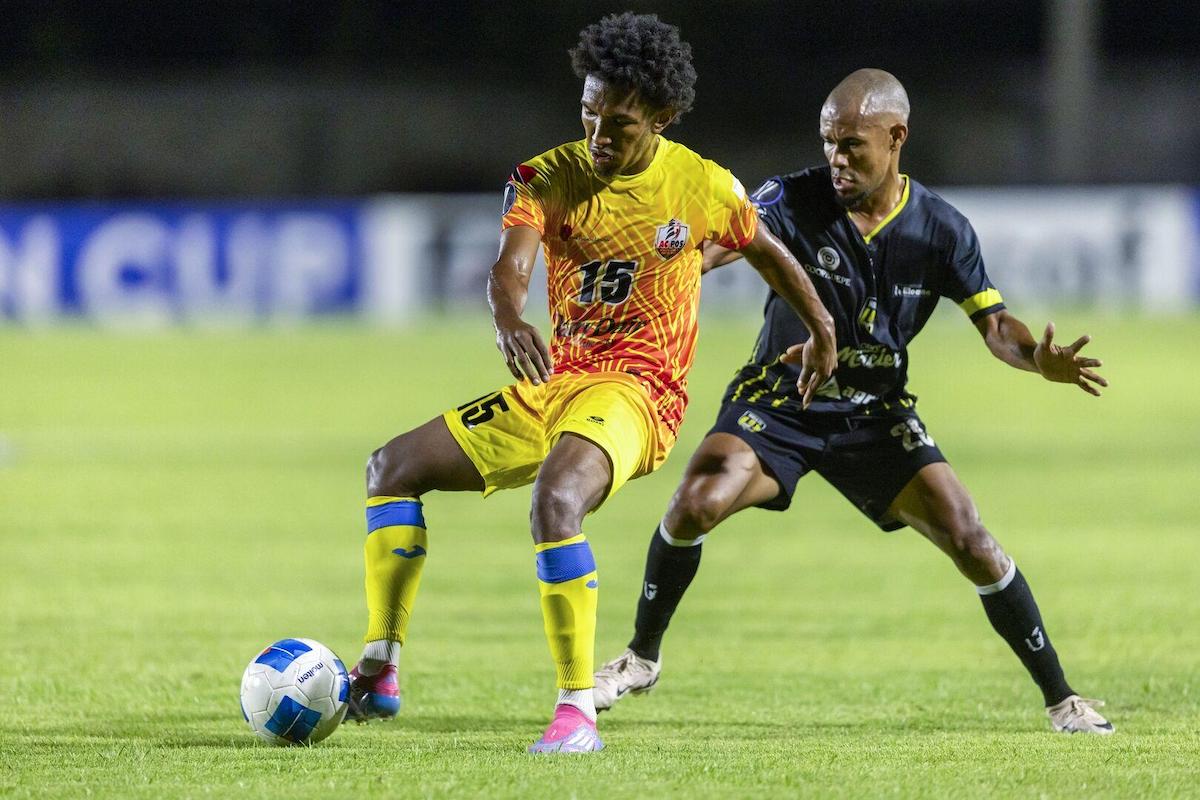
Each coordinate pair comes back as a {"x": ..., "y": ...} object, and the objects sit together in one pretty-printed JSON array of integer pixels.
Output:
[{"x": 912, "y": 435}]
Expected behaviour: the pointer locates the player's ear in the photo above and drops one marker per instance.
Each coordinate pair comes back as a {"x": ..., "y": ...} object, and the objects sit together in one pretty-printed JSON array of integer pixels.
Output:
[
  {"x": 898, "y": 134},
  {"x": 662, "y": 119}
]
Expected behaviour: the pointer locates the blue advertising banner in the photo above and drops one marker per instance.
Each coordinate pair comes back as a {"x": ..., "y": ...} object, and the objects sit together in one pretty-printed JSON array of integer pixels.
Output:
[
  {"x": 390, "y": 259},
  {"x": 165, "y": 263}
]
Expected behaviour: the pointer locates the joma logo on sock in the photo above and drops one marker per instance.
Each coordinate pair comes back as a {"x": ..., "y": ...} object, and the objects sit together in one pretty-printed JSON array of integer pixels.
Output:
[
  {"x": 650, "y": 590},
  {"x": 1036, "y": 636}
]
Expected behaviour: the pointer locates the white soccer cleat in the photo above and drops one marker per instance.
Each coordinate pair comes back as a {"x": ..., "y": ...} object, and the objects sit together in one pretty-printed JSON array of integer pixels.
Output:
[
  {"x": 625, "y": 674},
  {"x": 1077, "y": 715}
]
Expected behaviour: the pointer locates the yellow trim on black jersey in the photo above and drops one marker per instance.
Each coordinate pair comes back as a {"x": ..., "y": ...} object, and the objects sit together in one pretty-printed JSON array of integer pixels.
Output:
[
  {"x": 892, "y": 214},
  {"x": 978, "y": 302}
]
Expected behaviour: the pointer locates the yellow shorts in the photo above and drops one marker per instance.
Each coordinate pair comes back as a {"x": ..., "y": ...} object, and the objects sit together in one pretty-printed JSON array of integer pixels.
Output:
[{"x": 508, "y": 434}]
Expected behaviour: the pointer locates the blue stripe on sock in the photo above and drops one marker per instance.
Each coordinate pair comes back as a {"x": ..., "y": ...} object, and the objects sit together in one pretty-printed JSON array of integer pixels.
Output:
[
  {"x": 561, "y": 564},
  {"x": 401, "y": 512}
]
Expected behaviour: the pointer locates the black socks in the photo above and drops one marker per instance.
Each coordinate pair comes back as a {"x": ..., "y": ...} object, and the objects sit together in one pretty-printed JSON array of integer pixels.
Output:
[
  {"x": 669, "y": 570},
  {"x": 1015, "y": 616}
]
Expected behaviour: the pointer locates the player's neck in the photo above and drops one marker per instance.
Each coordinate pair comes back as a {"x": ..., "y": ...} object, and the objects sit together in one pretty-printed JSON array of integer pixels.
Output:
[
  {"x": 874, "y": 208},
  {"x": 643, "y": 163}
]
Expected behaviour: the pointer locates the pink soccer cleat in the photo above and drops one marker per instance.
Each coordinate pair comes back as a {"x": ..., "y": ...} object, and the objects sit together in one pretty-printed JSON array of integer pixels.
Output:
[
  {"x": 570, "y": 732},
  {"x": 374, "y": 696}
]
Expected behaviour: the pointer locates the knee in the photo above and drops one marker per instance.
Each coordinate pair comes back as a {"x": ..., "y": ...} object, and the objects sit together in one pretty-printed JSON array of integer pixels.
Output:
[
  {"x": 970, "y": 542},
  {"x": 693, "y": 512},
  {"x": 557, "y": 510},
  {"x": 392, "y": 470}
]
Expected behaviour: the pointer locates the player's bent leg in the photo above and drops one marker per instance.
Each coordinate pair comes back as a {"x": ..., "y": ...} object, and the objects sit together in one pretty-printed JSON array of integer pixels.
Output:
[
  {"x": 723, "y": 477},
  {"x": 424, "y": 459},
  {"x": 573, "y": 480},
  {"x": 937, "y": 504}
]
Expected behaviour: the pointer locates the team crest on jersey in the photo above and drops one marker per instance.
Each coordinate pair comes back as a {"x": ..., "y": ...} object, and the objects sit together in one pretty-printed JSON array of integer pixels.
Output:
[
  {"x": 749, "y": 421},
  {"x": 670, "y": 239}
]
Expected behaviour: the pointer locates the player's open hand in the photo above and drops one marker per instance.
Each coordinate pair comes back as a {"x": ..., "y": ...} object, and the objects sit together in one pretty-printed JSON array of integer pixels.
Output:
[
  {"x": 524, "y": 350},
  {"x": 1065, "y": 365},
  {"x": 817, "y": 359}
]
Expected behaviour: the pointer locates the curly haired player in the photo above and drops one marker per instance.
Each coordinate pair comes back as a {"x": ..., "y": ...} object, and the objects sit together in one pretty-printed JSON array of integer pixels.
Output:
[{"x": 621, "y": 216}]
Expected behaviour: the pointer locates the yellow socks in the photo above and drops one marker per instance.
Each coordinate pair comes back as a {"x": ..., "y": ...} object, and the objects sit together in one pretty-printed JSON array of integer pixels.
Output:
[
  {"x": 566, "y": 574},
  {"x": 395, "y": 553}
]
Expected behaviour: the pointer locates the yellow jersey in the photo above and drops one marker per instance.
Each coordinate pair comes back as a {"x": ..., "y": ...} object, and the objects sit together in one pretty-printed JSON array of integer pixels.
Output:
[{"x": 623, "y": 259}]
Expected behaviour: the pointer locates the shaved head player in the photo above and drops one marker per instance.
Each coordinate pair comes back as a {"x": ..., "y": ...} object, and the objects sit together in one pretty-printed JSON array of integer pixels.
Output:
[
  {"x": 620, "y": 216},
  {"x": 882, "y": 249}
]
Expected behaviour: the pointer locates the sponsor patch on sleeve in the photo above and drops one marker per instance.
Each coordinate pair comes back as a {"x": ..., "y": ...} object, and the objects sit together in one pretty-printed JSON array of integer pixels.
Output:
[
  {"x": 768, "y": 194},
  {"x": 523, "y": 174},
  {"x": 738, "y": 189}
]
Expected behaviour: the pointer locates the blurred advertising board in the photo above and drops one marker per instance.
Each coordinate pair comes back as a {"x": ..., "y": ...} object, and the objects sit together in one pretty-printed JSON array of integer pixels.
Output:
[
  {"x": 151, "y": 265},
  {"x": 388, "y": 258}
]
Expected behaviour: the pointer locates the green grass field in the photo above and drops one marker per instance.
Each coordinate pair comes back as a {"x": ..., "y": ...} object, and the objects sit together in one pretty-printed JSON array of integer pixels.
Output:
[{"x": 171, "y": 503}]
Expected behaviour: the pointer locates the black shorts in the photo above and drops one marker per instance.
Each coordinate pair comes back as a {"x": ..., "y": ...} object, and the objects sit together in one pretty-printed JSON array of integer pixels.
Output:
[{"x": 868, "y": 459}]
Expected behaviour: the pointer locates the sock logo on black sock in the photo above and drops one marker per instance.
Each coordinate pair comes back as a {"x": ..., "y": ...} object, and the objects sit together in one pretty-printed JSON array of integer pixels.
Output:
[
  {"x": 1036, "y": 636},
  {"x": 650, "y": 590}
]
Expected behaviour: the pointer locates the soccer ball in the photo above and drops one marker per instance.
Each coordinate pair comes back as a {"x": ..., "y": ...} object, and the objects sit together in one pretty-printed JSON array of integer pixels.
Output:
[{"x": 294, "y": 692}]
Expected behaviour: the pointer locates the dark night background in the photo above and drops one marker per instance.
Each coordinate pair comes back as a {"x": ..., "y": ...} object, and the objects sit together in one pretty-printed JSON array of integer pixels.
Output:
[{"x": 343, "y": 98}]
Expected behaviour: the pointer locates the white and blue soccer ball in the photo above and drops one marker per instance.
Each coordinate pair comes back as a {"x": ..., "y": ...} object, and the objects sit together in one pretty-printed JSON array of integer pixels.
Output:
[{"x": 294, "y": 692}]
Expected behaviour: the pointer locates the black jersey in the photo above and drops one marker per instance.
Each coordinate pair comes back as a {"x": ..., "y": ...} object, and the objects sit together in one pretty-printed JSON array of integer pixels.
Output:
[{"x": 880, "y": 289}]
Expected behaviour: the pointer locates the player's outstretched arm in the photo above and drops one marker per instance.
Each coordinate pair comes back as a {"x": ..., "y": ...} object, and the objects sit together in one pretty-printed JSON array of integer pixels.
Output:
[
  {"x": 782, "y": 272},
  {"x": 520, "y": 343},
  {"x": 1011, "y": 342}
]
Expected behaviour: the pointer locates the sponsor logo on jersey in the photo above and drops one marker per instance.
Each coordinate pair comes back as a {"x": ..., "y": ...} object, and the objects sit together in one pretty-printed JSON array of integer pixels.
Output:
[
  {"x": 768, "y": 194},
  {"x": 597, "y": 327},
  {"x": 830, "y": 389},
  {"x": 835, "y": 391},
  {"x": 749, "y": 421},
  {"x": 827, "y": 275},
  {"x": 568, "y": 234},
  {"x": 910, "y": 291},
  {"x": 828, "y": 258},
  {"x": 670, "y": 239},
  {"x": 872, "y": 356}
]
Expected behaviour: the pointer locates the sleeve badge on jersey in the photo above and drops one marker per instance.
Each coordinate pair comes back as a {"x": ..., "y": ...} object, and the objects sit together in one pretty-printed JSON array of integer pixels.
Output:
[
  {"x": 768, "y": 194},
  {"x": 510, "y": 197},
  {"x": 670, "y": 239},
  {"x": 523, "y": 174}
]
